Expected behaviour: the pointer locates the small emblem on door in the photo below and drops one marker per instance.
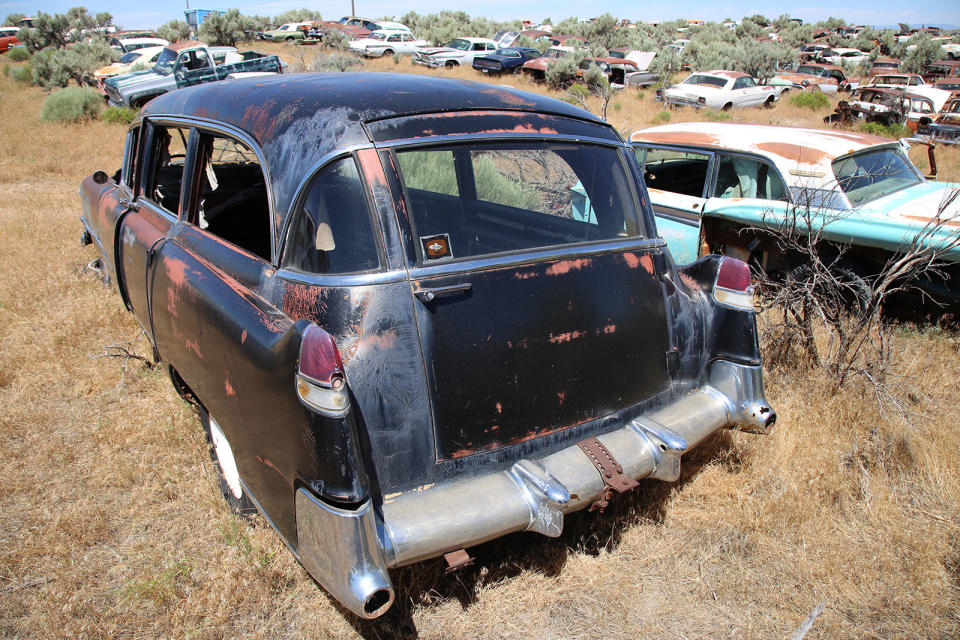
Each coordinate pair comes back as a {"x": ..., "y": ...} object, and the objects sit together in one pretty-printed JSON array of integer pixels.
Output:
[{"x": 436, "y": 247}]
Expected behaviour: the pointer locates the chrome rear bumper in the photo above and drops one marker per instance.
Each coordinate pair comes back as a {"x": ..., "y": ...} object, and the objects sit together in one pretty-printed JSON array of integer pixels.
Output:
[{"x": 339, "y": 549}]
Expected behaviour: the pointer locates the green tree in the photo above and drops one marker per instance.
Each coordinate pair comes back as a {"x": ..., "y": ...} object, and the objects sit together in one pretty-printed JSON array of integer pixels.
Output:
[
  {"x": 58, "y": 30},
  {"x": 297, "y": 15},
  {"x": 12, "y": 19},
  {"x": 225, "y": 29},
  {"x": 174, "y": 31},
  {"x": 924, "y": 51},
  {"x": 666, "y": 63},
  {"x": 56, "y": 67}
]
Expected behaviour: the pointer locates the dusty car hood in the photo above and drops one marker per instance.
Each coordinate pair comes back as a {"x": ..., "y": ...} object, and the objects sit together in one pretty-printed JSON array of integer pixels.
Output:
[
  {"x": 920, "y": 203},
  {"x": 799, "y": 78}
]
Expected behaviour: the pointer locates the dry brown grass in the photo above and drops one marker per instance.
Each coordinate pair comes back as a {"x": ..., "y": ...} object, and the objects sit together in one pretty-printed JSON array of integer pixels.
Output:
[{"x": 112, "y": 526}]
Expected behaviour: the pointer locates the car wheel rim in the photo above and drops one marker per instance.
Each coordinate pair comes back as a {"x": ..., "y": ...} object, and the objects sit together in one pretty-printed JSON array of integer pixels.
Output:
[{"x": 228, "y": 466}]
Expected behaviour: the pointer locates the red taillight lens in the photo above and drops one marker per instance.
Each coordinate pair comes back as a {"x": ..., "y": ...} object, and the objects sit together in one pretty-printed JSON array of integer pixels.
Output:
[
  {"x": 733, "y": 288},
  {"x": 733, "y": 274},
  {"x": 320, "y": 382},
  {"x": 319, "y": 358}
]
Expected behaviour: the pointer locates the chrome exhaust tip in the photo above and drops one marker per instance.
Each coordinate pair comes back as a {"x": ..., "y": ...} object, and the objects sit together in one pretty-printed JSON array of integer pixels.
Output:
[{"x": 339, "y": 547}]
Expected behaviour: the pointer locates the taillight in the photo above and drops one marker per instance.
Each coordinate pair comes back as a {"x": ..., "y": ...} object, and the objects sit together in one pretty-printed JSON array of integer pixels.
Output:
[
  {"x": 733, "y": 287},
  {"x": 320, "y": 381}
]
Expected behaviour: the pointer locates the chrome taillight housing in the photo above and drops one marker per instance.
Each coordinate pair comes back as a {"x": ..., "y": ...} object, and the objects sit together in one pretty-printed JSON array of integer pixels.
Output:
[
  {"x": 733, "y": 287},
  {"x": 320, "y": 381}
]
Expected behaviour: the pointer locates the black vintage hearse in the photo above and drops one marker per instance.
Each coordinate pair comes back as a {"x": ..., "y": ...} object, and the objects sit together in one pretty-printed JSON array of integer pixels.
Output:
[{"x": 416, "y": 314}]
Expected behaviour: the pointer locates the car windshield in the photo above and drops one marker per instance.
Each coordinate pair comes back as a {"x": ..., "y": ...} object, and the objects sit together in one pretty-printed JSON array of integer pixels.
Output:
[
  {"x": 484, "y": 198},
  {"x": 459, "y": 43},
  {"x": 813, "y": 71},
  {"x": 165, "y": 62},
  {"x": 699, "y": 78},
  {"x": 873, "y": 174},
  {"x": 891, "y": 80},
  {"x": 127, "y": 58}
]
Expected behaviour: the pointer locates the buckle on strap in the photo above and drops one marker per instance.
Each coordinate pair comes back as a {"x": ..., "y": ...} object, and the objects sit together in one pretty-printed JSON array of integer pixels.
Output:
[{"x": 610, "y": 471}]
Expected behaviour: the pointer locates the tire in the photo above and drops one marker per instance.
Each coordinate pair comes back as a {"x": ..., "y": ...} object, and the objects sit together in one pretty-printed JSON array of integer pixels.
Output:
[
  {"x": 768, "y": 103},
  {"x": 228, "y": 478},
  {"x": 451, "y": 64},
  {"x": 289, "y": 40},
  {"x": 387, "y": 53},
  {"x": 856, "y": 290}
]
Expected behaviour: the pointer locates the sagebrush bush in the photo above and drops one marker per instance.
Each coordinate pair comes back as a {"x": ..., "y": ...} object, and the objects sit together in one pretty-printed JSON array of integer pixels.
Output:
[
  {"x": 18, "y": 54},
  {"x": 119, "y": 115},
  {"x": 661, "y": 117},
  {"x": 334, "y": 62},
  {"x": 563, "y": 72},
  {"x": 21, "y": 73},
  {"x": 72, "y": 104},
  {"x": 336, "y": 39},
  {"x": 895, "y": 131},
  {"x": 810, "y": 100}
]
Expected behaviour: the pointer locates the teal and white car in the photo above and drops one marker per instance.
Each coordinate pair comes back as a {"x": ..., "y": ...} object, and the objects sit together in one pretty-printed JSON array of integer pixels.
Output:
[{"x": 715, "y": 187}]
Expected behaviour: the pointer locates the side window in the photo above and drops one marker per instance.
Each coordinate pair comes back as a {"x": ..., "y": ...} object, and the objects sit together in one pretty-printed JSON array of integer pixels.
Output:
[
  {"x": 131, "y": 159},
  {"x": 232, "y": 194},
  {"x": 168, "y": 157},
  {"x": 394, "y": 38},
  {"x": 332, "y": 231},
  {"x": 676, "y": 170},
  {"x": 748, "y": 178},
  {"x": 748, "y": 82}
]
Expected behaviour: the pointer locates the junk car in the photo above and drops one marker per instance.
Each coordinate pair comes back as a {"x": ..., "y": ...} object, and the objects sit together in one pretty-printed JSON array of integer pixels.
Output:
[
  {"x": 720, "y": 186},
  {"x": 416, "y": 314}
]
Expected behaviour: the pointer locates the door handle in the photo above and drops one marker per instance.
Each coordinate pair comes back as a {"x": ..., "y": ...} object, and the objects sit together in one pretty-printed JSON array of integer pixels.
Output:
[{"x": 429, "y": 295}]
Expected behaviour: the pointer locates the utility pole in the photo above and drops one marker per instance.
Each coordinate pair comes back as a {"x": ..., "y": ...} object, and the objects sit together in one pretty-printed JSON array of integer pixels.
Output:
[{"x": 353, "y": 9}]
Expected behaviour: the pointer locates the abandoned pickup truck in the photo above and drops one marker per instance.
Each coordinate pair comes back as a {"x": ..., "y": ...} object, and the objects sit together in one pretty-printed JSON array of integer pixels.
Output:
[
  {"x": 416, "y": 314},
  {"x": 185, "y": 64},
  {"x": 716, "y": 187}
]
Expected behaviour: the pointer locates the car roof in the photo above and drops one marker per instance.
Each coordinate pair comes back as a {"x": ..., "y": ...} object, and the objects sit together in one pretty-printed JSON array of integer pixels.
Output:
[
  {"x": 299, "y": 119},
  {"x": 791, "y": 149},
  {"x": 722, "y": 73}
]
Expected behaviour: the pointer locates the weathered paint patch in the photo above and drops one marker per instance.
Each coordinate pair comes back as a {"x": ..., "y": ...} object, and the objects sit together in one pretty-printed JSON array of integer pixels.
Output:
[
  {"x": 568, "y": 336},
  {"x": 566, "y": 266}
]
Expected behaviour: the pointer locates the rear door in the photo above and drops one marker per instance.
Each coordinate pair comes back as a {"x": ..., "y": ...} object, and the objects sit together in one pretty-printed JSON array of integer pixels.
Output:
[
  {"x": 534, "y": 288},
  {"x": 678, "y": 181}
]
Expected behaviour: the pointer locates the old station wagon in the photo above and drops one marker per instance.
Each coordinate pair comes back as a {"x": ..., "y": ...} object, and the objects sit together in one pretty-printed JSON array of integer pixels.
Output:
[{"x": 416, "y": 314}]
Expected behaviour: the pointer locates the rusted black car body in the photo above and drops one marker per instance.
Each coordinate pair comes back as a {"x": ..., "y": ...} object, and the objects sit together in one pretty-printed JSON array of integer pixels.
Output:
[{"x": 393, "y": 358}]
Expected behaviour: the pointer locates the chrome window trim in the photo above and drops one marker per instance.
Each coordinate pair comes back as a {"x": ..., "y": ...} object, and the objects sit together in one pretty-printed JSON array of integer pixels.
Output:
[
  {"x": 342, "y": 280},
  {"x": 241, "y": 135},
  {"x": 499, "y": 137},
  {"x": 531, "y": 256},
  {"x": 157, "y": 209}
]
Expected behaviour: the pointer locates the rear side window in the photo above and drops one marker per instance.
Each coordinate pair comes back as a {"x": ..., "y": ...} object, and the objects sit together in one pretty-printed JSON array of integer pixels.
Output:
[
  {"x": 473, "y": 200},
  {"x": 169, "y": 154},
  {"x": 676, "y": 170},
  {"x": 332, "y": 232},
  {"x": 232, "y": 194}
]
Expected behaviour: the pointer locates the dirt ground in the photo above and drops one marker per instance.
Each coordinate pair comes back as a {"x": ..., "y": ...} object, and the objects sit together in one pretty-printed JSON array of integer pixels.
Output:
[{"x": 112, "y": 526}]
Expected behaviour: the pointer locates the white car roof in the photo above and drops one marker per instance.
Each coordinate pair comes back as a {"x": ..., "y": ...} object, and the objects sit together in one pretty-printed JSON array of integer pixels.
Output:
[
  {"x": 392, "y": 26},
  {"x": 148, "y": 51},
  {"x": 472, "y": 39},
  {"x": 798, "y": 153},
  {"x": 157, "y": 41}
]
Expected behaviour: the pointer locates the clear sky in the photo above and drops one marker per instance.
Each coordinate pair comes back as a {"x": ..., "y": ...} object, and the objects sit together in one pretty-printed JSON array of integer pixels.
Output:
[{"x": 140, "y": 14}]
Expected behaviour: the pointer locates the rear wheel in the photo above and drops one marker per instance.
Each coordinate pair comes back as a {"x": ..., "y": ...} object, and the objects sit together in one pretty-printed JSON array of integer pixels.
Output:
[
  {"x": 228, "y": 477},
  {"x": 727, "y": 107},
  {"x": 451, "y": 64},
  {"x": 289, "y": 40},
  {"x": 388, "y": 53},
  {"x": 768, "y": 104}
]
